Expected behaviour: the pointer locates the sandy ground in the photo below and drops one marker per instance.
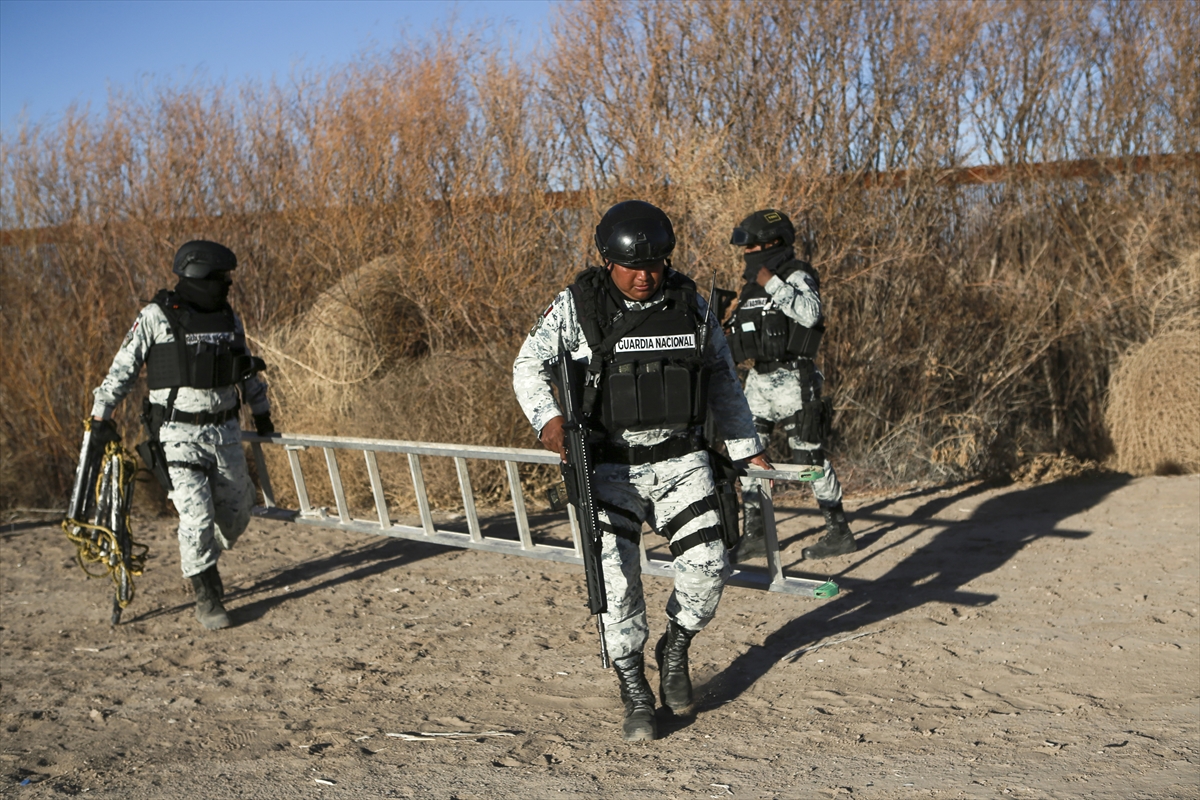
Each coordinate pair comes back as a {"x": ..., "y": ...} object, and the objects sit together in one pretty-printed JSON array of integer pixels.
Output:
[{"x": 1018, "y": 641}]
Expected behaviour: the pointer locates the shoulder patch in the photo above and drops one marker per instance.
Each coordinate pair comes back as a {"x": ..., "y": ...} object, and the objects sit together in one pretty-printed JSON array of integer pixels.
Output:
[
  {"x": 132, "y": 331},
  {"x": 537, "y": 323}
]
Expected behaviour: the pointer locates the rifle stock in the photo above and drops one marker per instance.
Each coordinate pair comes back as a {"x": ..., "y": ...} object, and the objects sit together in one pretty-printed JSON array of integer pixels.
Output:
[{"x": 577, "y": 473}]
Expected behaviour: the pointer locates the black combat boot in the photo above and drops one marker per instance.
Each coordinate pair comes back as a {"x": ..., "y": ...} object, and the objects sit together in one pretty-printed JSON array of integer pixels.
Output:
[
  {"x": 209, "y": 609},
  {"x": 215, "y": 577},
  {"x": 753, "y": 543},
  {"x": 674, "y": 683},
  {"x": 640, "y": 724},
  {"x": 838, "y": 541}
]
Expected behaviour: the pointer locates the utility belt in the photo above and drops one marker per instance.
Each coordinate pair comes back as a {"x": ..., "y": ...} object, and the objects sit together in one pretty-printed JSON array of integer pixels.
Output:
[
  {"x": 195, "y": 418},
  {"x": 153, "y": 418},
  {"x": 763, "y": 367},
  {"x": 637, "y": 455}
]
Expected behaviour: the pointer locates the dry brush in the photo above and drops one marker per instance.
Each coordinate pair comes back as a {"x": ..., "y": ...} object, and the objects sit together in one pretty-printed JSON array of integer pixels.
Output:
[{"x": 401, "y": 220}]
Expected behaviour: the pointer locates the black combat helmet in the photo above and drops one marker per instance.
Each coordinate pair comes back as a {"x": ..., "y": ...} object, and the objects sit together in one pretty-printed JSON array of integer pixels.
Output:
[
  {"x": 634, "y": 233},
  {"x": 764, "y": 227},
  {"x": 199, "y": 259}
]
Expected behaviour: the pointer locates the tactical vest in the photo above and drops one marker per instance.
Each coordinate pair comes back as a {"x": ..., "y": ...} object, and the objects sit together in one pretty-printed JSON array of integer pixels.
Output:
[
  {"x": 647, "y": 369},
  {"x": 759, "y": 330},
  {"x": 207, "y": 353}
]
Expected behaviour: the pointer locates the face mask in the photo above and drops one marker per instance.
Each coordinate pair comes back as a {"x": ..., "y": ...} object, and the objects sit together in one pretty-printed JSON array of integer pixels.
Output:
[
  {"x": 772, "y": 258},
  {"x": 206, "y": 295}
]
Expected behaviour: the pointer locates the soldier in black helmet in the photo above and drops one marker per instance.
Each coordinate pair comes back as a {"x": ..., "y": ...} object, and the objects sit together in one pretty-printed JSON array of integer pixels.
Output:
[
  {"x": 199, "y": 372},
  {"x": 778, "y": 324},
  {"x": 636, "y": 326}
]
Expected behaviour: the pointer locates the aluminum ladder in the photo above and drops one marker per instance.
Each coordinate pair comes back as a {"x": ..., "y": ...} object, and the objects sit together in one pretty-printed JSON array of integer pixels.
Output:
[{"x": 772, "y": 579}]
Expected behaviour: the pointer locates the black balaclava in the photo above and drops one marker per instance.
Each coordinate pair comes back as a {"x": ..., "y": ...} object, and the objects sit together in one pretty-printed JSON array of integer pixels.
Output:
[
  {"x": 206, "y": 294},
  {"x": 772, "y": 258}
]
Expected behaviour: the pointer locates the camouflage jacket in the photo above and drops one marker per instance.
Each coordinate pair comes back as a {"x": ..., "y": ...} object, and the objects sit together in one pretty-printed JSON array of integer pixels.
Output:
[
  {"x": 151, "y": 327},
  {"x": 797, "y": 297}
]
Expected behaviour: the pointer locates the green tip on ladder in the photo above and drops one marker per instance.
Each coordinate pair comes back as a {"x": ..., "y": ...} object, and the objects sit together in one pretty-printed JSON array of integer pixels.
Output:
[{"x": 826, "y": 589}]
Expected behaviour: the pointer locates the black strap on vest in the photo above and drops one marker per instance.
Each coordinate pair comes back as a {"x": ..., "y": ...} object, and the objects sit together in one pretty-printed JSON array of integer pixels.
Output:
[{"x": 163, "y": 300}]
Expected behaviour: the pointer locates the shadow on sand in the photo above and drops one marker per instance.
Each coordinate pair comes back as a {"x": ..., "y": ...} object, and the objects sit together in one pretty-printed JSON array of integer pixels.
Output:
[
  {"x": 960, "y": 552},
  {"x": 309, "y": 577}
]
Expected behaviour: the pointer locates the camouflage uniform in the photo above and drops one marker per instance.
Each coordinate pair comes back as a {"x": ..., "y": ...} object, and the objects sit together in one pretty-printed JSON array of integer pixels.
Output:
[
  {"x": 212, "y": 489},
  {"x": 653, "y": 492},
  {"x": 777, "y": 395}
]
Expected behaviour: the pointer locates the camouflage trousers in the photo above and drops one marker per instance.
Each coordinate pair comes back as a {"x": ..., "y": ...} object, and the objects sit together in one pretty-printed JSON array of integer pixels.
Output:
[
  {"x": 213, "y": 494},
  {"x": 656, "y": 493},
  {"x": 775, "y": 397}
]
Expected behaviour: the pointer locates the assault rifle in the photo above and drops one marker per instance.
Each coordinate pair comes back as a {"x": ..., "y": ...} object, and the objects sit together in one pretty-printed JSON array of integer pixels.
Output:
[
  {"x": 705, "y": 327},
  {"x": 577, "y": 474},
  {"x": 719, "y": 301}
]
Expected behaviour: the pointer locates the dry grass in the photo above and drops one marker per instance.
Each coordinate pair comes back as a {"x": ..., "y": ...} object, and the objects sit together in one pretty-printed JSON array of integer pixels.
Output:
[
  {"x": 1154, "y": 393},
  {"x": 400, "y": 221},
  {"x": 1152, "y": 406},
  {"x": 1049, "y": 467}
]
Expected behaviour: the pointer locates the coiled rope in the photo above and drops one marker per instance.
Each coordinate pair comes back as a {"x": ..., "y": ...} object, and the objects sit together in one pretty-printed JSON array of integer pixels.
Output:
[{"x": 107, "y": 541}]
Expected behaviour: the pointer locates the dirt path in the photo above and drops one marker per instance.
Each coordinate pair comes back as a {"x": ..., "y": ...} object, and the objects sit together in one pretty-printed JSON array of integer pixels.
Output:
[{"x": 1037, "y": 642}]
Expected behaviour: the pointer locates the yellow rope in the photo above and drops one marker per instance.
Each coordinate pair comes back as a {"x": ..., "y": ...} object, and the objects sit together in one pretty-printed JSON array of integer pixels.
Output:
[{"x": 96, "y": 544}]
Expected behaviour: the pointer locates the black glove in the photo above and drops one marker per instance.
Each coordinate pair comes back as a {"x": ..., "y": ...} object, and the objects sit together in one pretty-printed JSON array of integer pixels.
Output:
[
  {"x": 104, "y": 431},
  {"x": 772, "y": 259},
  {"x": 263, "y": 425}
]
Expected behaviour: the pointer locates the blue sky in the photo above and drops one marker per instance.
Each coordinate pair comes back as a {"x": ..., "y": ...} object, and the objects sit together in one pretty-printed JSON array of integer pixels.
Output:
[{"x": 55, "y": 52}]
